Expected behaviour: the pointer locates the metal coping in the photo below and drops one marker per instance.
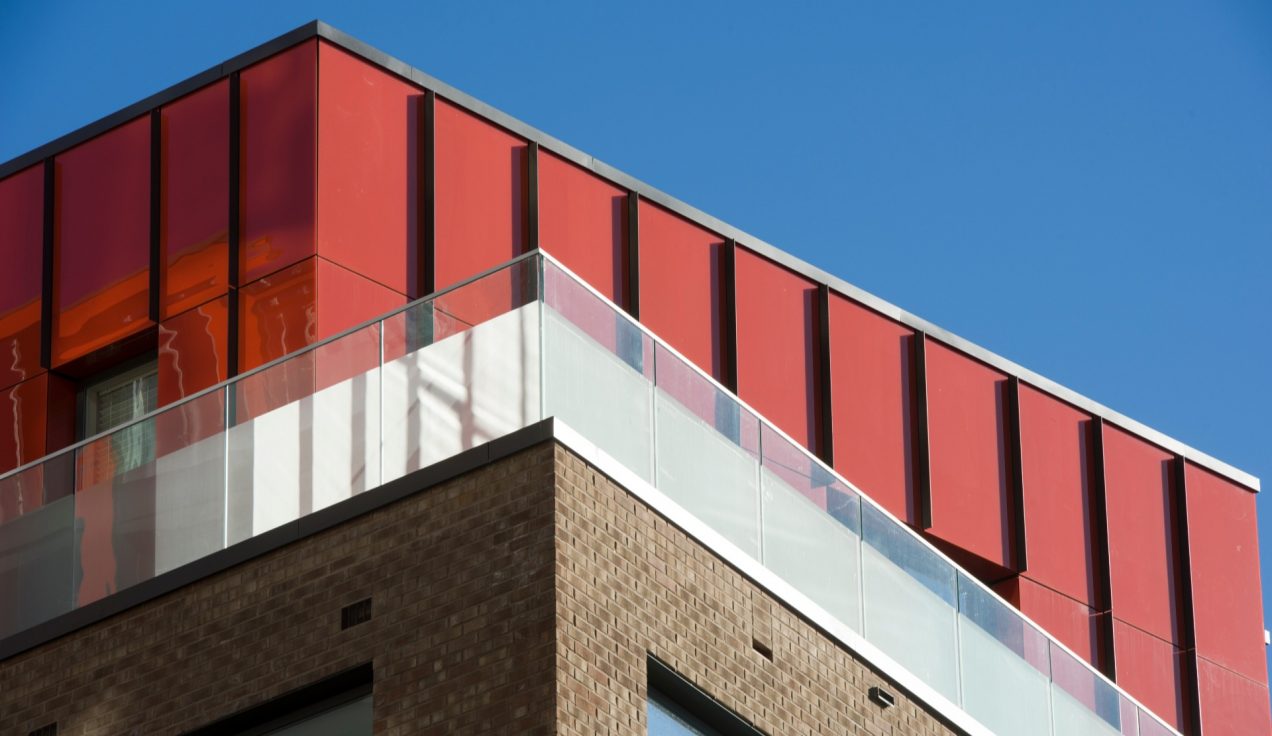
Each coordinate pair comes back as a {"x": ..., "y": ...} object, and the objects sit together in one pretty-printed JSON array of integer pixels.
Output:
[{"x": 319, "y": 29}]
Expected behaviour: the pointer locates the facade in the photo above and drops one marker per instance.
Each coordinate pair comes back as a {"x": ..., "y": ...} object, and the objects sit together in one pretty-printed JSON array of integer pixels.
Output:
[{"x": 176, "y": 256}]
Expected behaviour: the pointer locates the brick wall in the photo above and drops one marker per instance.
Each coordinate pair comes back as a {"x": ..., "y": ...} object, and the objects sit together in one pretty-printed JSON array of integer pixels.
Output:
[
  {"x": 630, "y": 583},
  {"x": 461, "y": 637},
  {"x": 477, "y": 600}
]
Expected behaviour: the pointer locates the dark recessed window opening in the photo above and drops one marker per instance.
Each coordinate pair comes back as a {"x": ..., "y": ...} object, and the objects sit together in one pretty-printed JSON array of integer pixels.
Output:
[{"x": 676, "y": 707}]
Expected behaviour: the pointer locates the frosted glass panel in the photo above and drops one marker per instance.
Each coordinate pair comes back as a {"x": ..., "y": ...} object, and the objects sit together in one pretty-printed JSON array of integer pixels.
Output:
[
  {"x": 811, "y": 550},
  {"x": 461, "y": 391},
  {"x": 597, "y": 393},
  {"x": 909, "y": 602},
  {"x": 190, "y": 481},
  {"x": 1003, "y": 664},
  {"x": 709, "y": 475},
  {"x": 36, "y": 564}
]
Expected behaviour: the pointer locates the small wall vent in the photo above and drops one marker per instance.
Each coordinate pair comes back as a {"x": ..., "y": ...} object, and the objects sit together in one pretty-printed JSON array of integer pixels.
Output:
[
  {"x": 882, "y": 698},
  {"x": 355, "y": 613}
]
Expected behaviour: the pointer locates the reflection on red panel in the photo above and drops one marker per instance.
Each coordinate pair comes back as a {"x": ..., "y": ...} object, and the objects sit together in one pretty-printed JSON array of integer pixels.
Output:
[
  {"x": 1224, "y": 551},
  {"x": 102, "y": 251},
  {"x": 22, "y": 426},
  {"x": 21, "y": 249},
  {"x": 368, "y": 123},
  {"x": 480, "y": 197},
  {"x": 278, "y": 110},
  {"x": 968, "y": 445},
  {"x": 1231, "y": 705},
  {"x": 777, "y": 345},
  {"x": 36, "y": 417},
  {"x": 277, "y": 315},
  {"x": 680, "y": 290},
  {"x": 871, "y": 374},
  {"x": 1070, "y": 621},
  {"x": 195, "y": 191},
  {"x": 193, "y": 350},
  {"x": 1142, "y": 548},
  {"x": 1151, "y": 670},
  {"x": 346, "y": 299},
  {"x": 582, "y": 221},
  {"x": 1054, "y": 441}
]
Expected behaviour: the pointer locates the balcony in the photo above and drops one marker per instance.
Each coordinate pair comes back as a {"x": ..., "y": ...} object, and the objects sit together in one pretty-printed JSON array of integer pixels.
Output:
[{"x": 478, "y": 361}]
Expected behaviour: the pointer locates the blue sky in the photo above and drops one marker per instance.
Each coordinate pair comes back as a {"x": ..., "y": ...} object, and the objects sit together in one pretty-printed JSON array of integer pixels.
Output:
[{"x": 1082, "y": 187}]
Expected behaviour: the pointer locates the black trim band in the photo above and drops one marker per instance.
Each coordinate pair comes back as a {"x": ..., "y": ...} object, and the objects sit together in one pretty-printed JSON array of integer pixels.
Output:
[
  {"x": 1016, "y": 474},
  {"x": 922, "y": 452},
  {"x": 633, "y": 254}
]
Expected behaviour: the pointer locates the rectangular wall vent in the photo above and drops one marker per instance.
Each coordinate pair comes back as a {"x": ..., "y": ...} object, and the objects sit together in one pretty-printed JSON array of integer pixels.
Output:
[{"x": 355, "y": 613}]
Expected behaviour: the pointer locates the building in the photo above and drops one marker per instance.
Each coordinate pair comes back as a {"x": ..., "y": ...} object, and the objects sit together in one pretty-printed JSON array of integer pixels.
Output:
[{"x": 245, "y": 483}]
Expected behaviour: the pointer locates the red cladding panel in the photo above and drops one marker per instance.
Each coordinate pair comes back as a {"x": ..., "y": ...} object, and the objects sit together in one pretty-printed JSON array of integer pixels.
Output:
[
  {"x": 368, "y": 137},
  {"x": 1151, "y": 670},
  {"x": 1223, "y": 543},
  {"x": 480, "y": 197},
  {"x": 1055, "y": 452},
  {"x": 1141, "y": 521},
  {"x": 278, "y": 136},
  {"x": 346, "y": 299},
  {"x": 277, "y": 314},
  {"x": 193, "y": 350},
  {"x": 101, "y": 273},
  {"x": 1070, "y": 621},
  {"x": 582, "y": 221},
  {"x": 777, "y": 353},
  {"x": 680, "y": 298},
  {"x": 968, "y": 446},
  {"x": 872, "y": 379},
  {"x": 195, "y": 191},
  {"x": 1231, "y": 705},
  {"x": 22, "y": 422},
  {"x": 21, "y": 252}
]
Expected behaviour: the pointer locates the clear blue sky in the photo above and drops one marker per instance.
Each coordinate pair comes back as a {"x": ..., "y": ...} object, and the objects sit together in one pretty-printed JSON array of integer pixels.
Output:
[{"x": 1085, "y": 189}]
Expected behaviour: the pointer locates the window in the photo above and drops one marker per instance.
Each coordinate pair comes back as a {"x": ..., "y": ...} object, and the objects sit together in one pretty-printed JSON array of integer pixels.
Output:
[
  {"x": 667, "y": 718},
  {"x": 349, "y": 719},
  {"x": 676, "y": 707},
  {"x": 337, "y": 706},
  {"x": 112, "y": 402}
]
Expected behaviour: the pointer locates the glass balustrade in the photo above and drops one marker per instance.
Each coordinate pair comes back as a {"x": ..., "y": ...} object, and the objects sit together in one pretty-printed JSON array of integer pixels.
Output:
[{"x": 476, "y": 362}]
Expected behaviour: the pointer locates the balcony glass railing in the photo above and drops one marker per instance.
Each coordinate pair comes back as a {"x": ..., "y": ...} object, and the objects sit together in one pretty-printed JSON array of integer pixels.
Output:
[{"x": 478, "y": 361}]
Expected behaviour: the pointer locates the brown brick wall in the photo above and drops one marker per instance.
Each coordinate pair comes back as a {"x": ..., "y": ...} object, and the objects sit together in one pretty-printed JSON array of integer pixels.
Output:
[
  {"x": 461, "y": 639},
  {"x": 478, "y": 600},
  {"x": 631, "y": 583}
]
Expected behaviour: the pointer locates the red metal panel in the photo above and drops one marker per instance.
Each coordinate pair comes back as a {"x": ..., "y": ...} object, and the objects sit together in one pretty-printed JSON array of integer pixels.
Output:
[
  {"x": 680, "y": 290},
  {"x": 368, "y": 133},
  {"x": 480, "y": 198},
  {"x": 1151, "y": 670},
  {"x": 346, "y": 299},
  {"x": 195, "y": 191},
  {"x": 193, "y": 350},
  {"x": 1142, "y": 546},
  {"x": 967, "y": 439},
  {"x": 582, "y": 221},
  {"x": 22, "y": 422},
  {"x": 1223, "y": 542},
  {"x": 101, "y": 278},
  {"x": 1231, "y": 705},
  {"x": 1072, "y": 622},
  {"x": 21, "y": 249},
  {"x": 872, "y": 380},
  {"x": 278, "y": 137},
  {"x": 777, "y": 345},
  {"x": 1055, "y": 454},
  {"x": 277, "y": 314}
]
